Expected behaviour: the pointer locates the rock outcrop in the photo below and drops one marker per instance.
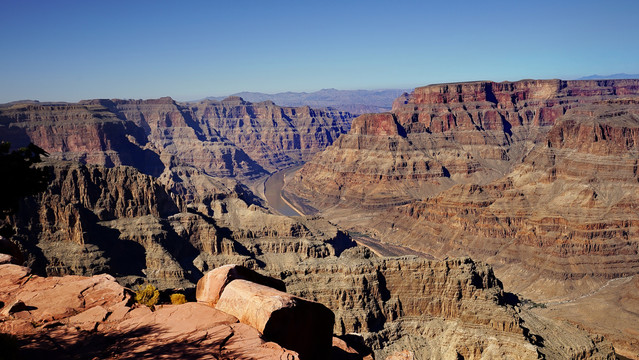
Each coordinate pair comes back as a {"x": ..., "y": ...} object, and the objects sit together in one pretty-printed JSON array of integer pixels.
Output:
[
  {"x": 435, "y": 309},
  {"x": 295, "y": 323},
  {"x": 79, "y": 317},
  {"x": 93, "y": 219},
  {"x": 261, "y": 302},
  {"x": 441, "y": 135},
  {"x": 228, "y": 138}
]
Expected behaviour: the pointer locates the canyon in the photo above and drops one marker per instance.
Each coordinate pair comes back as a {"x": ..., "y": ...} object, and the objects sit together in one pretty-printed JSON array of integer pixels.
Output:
[
  {"x": 227, "y": 138},
  {"x": 537, "y": 177},
  {"x": 530, "y": 183}
]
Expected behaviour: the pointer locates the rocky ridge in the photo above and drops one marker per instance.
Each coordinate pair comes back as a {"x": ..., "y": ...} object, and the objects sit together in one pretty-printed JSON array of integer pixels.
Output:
[
  {"x": 94, "y": 219},
  {"x": 537, "y": 178},
  {"x": 428, "y": 315},
  {"x": 228, "y": 138},
  {"x": 441, "y": 135}
]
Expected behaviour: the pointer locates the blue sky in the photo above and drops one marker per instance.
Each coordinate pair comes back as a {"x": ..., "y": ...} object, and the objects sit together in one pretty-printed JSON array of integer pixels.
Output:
[{"x": 72, "y": 50}]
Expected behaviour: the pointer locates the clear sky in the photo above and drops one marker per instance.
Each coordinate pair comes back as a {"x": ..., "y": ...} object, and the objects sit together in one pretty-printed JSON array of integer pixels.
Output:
[{"x": 72, "y": 50}]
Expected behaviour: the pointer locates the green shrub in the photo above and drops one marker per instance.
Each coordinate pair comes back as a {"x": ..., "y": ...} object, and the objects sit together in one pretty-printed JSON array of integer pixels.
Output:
[
  {"x": 177, "y": 299},
  {"x": 148, "y": 296}
]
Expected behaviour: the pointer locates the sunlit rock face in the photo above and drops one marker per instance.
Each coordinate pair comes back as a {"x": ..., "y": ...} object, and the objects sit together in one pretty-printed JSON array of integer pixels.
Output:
[
  {"x": 228, "y": 138},
  {"x": 442, "y": 135}
]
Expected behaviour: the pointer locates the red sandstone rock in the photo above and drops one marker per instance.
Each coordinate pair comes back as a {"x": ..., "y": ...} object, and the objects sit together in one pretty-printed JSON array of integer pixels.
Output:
[
  {"x": 212, "y": 284},
  {"x": 295, "y": 323},
  {"x": 376, "y": 124},
  {"x": 89, "y": 319},
  {"x": 80, "y": 305},
  {"x": 6, "y": 259}
]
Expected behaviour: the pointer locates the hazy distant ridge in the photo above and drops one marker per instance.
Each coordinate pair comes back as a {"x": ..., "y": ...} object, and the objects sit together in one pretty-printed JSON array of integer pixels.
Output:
[
  {"x": 613, "y": 76},
  {"x": 353, "y": 101}
]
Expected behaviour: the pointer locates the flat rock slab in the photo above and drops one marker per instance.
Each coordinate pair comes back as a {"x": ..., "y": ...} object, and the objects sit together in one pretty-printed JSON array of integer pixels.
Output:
[
  {"x": 195, "y": 331},
  {"x": 292, "y": 322}
]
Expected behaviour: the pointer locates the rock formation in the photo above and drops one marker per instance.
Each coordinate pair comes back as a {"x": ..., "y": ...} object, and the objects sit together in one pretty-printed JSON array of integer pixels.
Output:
[
  {"x": 293, "y": 322},
  {"x": 229, "y": 138},
  {"x": 536, "y": 177},
  {"x": 435, "y": 309},
  {"x": 93, "y": 219},
  {"x": 275, "y": 137},
  {"x": 567, "y": 212},
  {"x": 78, "y": 317},
  {"x": 441, "y": 135}
]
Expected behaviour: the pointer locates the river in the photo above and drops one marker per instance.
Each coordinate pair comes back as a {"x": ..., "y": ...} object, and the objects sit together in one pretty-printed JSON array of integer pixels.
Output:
[{"x": 273, "y": 192}]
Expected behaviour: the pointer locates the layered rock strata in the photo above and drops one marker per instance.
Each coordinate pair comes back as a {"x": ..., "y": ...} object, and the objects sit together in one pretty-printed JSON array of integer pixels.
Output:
[
  {"x": 435, "y": 309},
  {"x": 441, "y": 135},
  {"x": 229, "y": 138},
  {"x": 565, "y": 214},
  {"x": 93, "y": 219}
]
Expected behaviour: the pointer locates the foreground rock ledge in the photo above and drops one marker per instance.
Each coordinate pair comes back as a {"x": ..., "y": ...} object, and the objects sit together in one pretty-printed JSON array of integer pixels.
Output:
[
  {"x": 76, "y": 317},
  {"x": 292, "y": 322}
]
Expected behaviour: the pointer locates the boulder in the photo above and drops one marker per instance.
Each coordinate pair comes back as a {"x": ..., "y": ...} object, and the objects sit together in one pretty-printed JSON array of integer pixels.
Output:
[
  {"x": 212, "y": 284},
  {"x": 292, "y": 322},
  {"x": 6, "y": 259}
]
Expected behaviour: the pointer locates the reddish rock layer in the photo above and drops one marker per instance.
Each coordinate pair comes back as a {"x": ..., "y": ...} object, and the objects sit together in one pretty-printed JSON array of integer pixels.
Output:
[
  {"x": 86, "y": 318},
  {"x": 568, "y": 212},
  {"x": 440, "y": 135},
  {"x": 231, "y": 138}
]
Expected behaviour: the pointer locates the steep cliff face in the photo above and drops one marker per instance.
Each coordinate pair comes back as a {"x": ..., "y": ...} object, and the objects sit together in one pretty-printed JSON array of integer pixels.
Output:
[
  {"x": 436, "y": 309},
  {"x": 180, "y": 140},
  {"x": 441, "y": 135},
  {"x": 568, "y": 212},
  {"x": 229, "y": 138},
  {"x": 93, "y": 219},
  {"x": 276, "y": 137},
  {"x": 88, "y": 133}
]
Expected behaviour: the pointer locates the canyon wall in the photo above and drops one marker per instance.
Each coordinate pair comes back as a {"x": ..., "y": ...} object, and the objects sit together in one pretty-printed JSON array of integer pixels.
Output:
[
  {"x": 93, "y": 219},
  {"x": 228, "y": 138},
  {"x": 537, "y": 177},
  {"x": 448, "y": 309},
  {"x": 441, "y": 135}
]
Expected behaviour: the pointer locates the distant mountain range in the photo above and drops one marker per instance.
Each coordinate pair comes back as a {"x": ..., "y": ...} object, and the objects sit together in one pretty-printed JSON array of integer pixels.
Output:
[
  {"x": 613, "y": 76},
  {"x": 353, "y": 101}
]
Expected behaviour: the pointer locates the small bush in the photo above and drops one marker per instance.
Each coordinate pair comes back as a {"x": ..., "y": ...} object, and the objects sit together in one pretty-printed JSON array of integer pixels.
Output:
[
  {"x": 148, "y": 296},
  {"x": 177, "y": 299}
]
